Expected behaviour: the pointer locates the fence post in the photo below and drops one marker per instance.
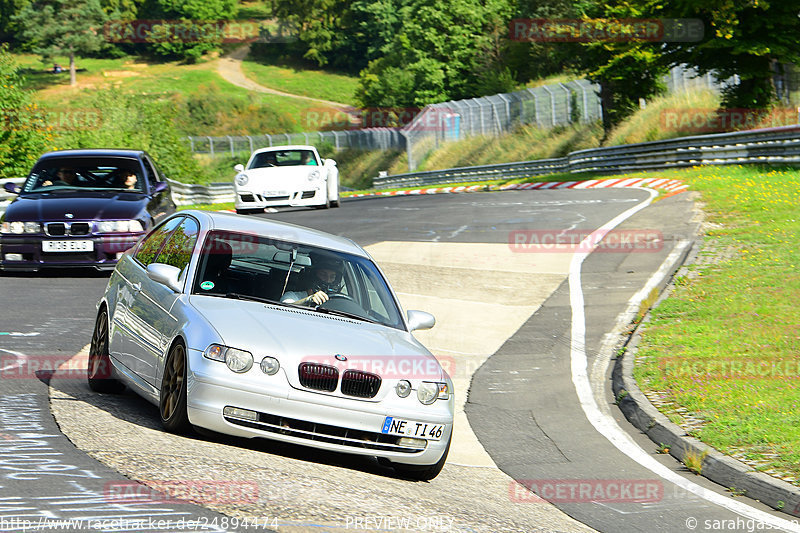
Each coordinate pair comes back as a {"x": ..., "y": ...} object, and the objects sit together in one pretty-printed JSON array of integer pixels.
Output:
[
  {"x": 269, "y": 138},
  {"x": 191, "y": 143},
  {"x": 306, "y": 135},
  {"x": 569, "y": 103},
  {"x": 210, "y": 146},
  {"x": 335, "y": 140},
  {"x": 552, "y": 105},
  {"x": 230, "y": 141},
  {"x": 251, "y": 143},
  {"x": 508, "y": 110},
  {"x": 288, "y": 138}
]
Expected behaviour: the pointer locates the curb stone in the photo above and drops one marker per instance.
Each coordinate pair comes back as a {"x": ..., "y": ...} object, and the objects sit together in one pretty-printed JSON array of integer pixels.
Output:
[{"x": 717, "y": 467}]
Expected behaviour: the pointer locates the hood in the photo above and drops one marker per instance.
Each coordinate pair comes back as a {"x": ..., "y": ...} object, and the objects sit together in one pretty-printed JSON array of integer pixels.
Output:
[
  {"x": 279, "y": 175},
  {"x": 296, "y": 335},
  {"x": 84, "y": 205}
]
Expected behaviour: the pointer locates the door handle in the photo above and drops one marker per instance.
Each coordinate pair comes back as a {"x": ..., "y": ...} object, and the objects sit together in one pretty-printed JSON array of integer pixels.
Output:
[{"x": 136, "y": 286}]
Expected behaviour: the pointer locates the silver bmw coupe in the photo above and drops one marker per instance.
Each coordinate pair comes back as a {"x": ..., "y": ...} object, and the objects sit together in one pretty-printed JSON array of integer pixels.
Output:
[{"x": 257, "y": 328}]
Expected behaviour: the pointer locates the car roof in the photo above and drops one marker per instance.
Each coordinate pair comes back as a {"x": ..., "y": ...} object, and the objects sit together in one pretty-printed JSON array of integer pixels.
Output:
[
  {"x": 279, "y": 230},
  {"x": 289, "y": 147},
  {"x": 93, "y": 152}
]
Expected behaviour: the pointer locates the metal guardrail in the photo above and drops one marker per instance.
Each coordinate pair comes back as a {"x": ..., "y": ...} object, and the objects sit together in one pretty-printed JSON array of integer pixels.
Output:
[
  {"x": 5, "y": 198},
  {"x": 190, "y": 193},
  {"x": 774, "y": 146}
]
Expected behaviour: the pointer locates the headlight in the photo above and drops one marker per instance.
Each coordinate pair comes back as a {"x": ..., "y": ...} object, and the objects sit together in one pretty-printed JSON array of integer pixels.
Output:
[
  {"x": 313, "y": 175},
  {"x": 430, "y": 391},
  {"x": 21, "y": 227},
  {"x": 236, "y": 360},
  {"x": 242, "y": 179},
  {"x": 119, "y": 226},
  {"x": 270, "y": 366},
  {"x": 403, "y": 388}
]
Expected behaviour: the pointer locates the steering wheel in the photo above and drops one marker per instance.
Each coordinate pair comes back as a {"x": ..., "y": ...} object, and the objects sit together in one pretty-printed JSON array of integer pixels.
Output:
[{"x": 341, "y": 296}]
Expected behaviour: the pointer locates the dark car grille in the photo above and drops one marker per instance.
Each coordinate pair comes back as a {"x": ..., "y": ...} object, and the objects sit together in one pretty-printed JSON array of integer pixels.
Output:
[
  {"x": 308, "y": 194},
  {"x": 275, "y": 198},
  {"x": 56, "y": 228},
  {"x": 360, "y": 384},
  {"x": 318, "y": 377},
  {"x": 79, "y": 228},
  {"x": 59, "y": 229}
]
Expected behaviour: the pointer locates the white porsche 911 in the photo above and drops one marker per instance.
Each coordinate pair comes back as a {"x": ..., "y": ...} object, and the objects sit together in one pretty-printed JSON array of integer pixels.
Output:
[{"x": 286, "y": 176}]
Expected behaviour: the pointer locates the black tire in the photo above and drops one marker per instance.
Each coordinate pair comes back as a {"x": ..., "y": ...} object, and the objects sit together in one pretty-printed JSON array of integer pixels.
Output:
[
  {"x": 172, "y": 400},
  {"x": 335, "y": 203},
  {"x": 99, "y": 366},
  {"x": 423, "y": 473},
  {"x": 248, "y": 211}
]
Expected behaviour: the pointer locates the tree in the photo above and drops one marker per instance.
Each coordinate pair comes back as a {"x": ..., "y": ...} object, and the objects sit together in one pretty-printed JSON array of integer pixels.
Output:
[
  {"x": 749, "y": 39},
  {"x": 443, "y": 50},
  {"x": 63, "y": 27},
  {"x": 23, "y": 136},
  {"x": 8, "y": 10}
]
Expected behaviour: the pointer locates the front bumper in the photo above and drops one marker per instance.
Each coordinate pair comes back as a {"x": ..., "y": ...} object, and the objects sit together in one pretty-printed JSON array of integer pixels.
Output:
[
  {"x": 308, "y": 418},
  {"x": 309, "y": 196},
  {"x": 28, "y": 254}
]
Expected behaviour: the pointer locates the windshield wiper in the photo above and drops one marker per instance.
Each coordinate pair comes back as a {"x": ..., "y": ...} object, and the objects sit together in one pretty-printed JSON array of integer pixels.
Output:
[
  {"x": 344, "y": 314},
  {"x": 240, "y": 296}
]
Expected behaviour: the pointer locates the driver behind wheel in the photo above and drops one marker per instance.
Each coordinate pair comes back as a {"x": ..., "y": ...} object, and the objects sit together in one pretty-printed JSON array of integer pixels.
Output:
[{"x": 326, "y": 279}]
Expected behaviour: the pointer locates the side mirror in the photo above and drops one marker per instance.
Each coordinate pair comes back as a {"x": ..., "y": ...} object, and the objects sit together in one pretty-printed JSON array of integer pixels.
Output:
[
  {"x": 420, "y": 320},
  {"x": 329, "y": 162},
  {"x": 239, "y": 168},
  {"x": 11, "y": 187},
  {"x": 165, "y": 274},
  {"x": 161, "y": 186}
]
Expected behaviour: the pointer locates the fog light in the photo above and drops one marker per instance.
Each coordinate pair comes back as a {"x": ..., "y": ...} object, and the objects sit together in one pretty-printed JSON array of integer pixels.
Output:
[
  {"x": 412, "y": 442},
  {"x": 245, "y": 414},
  {"x": 13, "y": 257}
]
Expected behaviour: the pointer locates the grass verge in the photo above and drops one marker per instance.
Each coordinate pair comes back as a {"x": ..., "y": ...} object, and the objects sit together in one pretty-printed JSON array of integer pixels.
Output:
[{"x": 724, "y": 346}]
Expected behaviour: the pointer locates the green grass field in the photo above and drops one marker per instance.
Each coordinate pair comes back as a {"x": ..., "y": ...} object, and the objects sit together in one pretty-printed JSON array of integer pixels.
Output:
[
  {"x": 724, "y": 346},
  {"x": 304, "y": 81}
]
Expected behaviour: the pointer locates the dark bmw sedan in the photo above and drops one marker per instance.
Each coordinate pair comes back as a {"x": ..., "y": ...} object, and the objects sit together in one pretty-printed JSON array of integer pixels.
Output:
[{"x": 82, "y": 208}]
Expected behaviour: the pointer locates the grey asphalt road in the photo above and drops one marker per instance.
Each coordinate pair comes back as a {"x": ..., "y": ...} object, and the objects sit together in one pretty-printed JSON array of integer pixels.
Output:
[{"x": 522, "y": 403}]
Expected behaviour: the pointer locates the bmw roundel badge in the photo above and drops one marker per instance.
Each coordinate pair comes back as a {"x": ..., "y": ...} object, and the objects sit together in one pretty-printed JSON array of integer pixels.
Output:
[{"x": 340, "y": 357}]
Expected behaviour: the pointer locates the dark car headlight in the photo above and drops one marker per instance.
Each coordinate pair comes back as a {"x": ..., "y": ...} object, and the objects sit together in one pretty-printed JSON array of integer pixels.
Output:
[
  {"x": 119, "y": 226},
  {"x": 18, "y": 228}
]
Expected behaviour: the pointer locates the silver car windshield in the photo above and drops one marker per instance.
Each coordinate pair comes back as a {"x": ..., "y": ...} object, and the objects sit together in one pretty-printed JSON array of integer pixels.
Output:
[{"x": 246, "y": 266}]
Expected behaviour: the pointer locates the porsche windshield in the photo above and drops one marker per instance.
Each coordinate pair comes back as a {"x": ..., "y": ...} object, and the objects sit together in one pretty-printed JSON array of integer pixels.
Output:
[
  {"x": 70, "y": 173},
  {"x": 237, "y": 265}
]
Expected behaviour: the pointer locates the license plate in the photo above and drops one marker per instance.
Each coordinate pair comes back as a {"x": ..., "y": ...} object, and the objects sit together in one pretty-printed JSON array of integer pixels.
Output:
[
  {"x": 412, "y": 428},
  {"x": 67, "y": 246},
  {"x": 275, "y": 193}
]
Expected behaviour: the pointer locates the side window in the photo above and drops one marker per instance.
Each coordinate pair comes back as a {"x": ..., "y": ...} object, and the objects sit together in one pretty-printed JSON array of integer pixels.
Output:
[
  {"x": 178, "y": 249},
  {"x": 152, "y": 243},
  {"x": 152, "y": 177}
]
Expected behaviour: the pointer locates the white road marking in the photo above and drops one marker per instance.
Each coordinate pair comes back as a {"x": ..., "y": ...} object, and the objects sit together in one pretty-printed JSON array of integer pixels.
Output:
[{"x": 605, "y": 424}]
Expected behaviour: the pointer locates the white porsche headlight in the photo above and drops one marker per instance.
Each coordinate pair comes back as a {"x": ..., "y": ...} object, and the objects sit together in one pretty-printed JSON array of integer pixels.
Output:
[
  {"x": 313, "y": 175},
  {"x": 242, "y": 179},
  {"x": 119, "y": 226}
]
